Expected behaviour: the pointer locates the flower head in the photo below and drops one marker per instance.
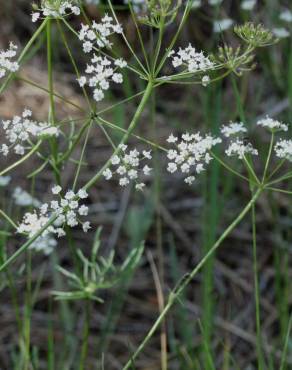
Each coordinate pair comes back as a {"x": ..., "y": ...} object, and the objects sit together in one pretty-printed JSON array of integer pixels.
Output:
[
  {"x": 272, "y": 124},
  {"x": 66, "y": 211},
  {"x": 6, "y": 62},
  {"x": 283, "y": 149},
  {"x": 128, "y": 166},
  {"x": 240, "y": 149},
  {"x": 191, "y": 60},
  {"x": 100, "y": 73},
  {"x": 21, "y": 129},
  {"x": 98, "y": 34},
  {"x": 191, "y": 154},
  {"x": 56, "y": 9},
  {"x": 233, "y": 129}
]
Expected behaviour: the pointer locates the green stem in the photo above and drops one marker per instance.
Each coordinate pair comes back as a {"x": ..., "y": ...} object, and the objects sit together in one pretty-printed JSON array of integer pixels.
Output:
[
  {"x": 268, "y": 157},
  {"x": 183, "y": 283},
  {"x": 115, "y": 127},
  {"x": 26, "y": 245},
  {"x": 256, "y": 292},
  {"x": 23, "y": 159},
  {"x": 84, "y": 348},
  {"x": 126, "y": 41},
  {"x": 7, "y": 218},
  {"x": 230, "y": 169},
  {"x": 285, "y": 350},
  {"x": 52, "y": 113}
]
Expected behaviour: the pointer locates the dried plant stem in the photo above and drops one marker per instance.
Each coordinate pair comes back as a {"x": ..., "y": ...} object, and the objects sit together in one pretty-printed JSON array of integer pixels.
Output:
[{"x": 183, "y": 283}]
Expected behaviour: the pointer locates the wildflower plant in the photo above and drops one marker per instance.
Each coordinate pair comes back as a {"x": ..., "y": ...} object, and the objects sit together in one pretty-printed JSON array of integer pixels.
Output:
[{"x": 186, "y": 155}]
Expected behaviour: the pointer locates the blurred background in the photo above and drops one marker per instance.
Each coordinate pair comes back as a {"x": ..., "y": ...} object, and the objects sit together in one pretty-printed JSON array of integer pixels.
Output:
[{"x": 178, "y": 223}]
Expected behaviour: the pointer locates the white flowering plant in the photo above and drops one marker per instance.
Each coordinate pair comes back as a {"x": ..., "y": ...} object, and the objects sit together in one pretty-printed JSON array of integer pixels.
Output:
[{"x": 183, "y": 156}]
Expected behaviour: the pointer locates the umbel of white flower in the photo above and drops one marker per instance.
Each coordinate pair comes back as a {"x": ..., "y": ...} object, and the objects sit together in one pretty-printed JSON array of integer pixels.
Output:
[
  {"x": 191, "y": 154},
  {"x": 21, "y": 129},
  {"x": 66, "y": 211},
  {"x": 233, "y": 128},
  {"x": 97, "y": 35},
  {"x": 192, "y": 60},
  {"x": 283, "y": 149},
  {"x": 56, "y": 9},
  {"x": 241, "y": 148},
  {"x": 100, "y": 73},
  {"x": 127, "y": 167},
  {"x": 6, "y": 62}
]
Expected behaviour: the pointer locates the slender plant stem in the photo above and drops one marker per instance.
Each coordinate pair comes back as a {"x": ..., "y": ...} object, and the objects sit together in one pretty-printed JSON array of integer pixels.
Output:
[
  {"x": 32, "y": 83},
  {"x": 23, "y": 159},
  {"x": 256, "y": 291},
  {"x": 85, "y": 337},
  {"x": 115, "y": 127},
  {"x": 26, "y": 245},
  {"x": 230, "y": 169},
  {"x": 7, "y": 218},
  {"x": 268, "y": 157},
  {"x": 285, "y": 350},
  {"x": 186, "y": 279},
  {"x": 126, "y": 40}
]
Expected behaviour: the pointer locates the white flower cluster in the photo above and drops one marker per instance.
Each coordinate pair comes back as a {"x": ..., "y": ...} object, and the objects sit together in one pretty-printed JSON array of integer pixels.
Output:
[
  {"x": 272, "y": 124},
  {"x": 98, "y": 33},
  {"x": 21, "y": 129},
  {"x": 283, "y": 149},
  {"x": 240, "y": 149},
  {"x": 233, "y": 128},
  {"x": 67, "y": 211},
  {"x": 31, "y": 224},
  {"x": 100, "y": 73},
  {"x": 127, "y": 166},
  {"x": 191, "y": 154},
  {"x": 6, "y": 64},
  {"x": 56, "y": 9},
  {"x": 194, "y": 61}
]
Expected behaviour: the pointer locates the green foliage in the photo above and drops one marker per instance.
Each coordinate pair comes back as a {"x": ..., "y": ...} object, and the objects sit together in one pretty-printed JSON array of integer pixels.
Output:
[{"x": 98, "y": 273}]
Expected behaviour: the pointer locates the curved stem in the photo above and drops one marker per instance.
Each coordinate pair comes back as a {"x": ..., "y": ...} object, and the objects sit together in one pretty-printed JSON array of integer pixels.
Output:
[
  {"x": 228, "y": 167},
  {"x": 268, "y": 157},
  {"x": 186, "y": 279},
  {"x": 26, "y": 245},
  {"x": 7, "y": 218},
  {"x": 23, "y": 159}
]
